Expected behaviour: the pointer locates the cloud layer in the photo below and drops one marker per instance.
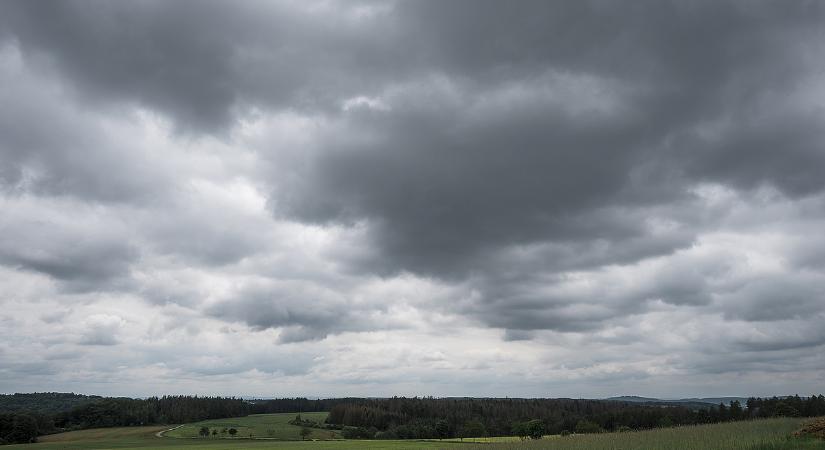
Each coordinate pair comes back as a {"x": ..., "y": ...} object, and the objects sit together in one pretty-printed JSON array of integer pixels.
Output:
[{"x": 412, "y": 197}]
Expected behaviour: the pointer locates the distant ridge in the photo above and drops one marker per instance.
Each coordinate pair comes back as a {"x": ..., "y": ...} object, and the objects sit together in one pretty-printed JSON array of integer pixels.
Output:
[{"x": 708, "y": 400}]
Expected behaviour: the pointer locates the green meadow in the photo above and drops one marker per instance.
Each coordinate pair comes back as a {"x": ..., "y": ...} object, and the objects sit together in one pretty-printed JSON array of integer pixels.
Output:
[
  {"x": 767, "y": 434},
  {"x": 270, "y": 426}
]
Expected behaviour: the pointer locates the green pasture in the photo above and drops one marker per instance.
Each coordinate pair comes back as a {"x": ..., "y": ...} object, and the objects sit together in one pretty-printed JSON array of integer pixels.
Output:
[
  {"x": 270, "y": 431},
  {"x": 767, "y": 434},
  {"x": 270, "y": 426}
]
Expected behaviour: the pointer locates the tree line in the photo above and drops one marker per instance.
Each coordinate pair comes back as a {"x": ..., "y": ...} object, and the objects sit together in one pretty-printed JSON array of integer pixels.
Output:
[
  {"x": 43, "y": 402},
  {"x": 429, "y": 418},
  {"x": 793, "y": 406},
  {"x": 25, "y": 425}
]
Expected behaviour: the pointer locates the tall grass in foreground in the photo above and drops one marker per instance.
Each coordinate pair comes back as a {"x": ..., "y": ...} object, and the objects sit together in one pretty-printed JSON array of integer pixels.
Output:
[{"x": 766, "y": 434}]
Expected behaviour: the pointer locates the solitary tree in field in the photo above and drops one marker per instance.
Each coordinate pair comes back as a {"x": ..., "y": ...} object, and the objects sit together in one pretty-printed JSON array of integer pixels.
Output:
[
  {"x": 535, "y": 429},
  {"x": 520, "y": 429},
  {"x": 233, "y": 432},
  {"x": 204, "y": 431},
  {"x": 305, "y": 432}
]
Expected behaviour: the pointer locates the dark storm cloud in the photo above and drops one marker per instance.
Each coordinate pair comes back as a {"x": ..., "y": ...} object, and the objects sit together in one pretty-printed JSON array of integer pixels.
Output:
[
  {"x": 69, "y": 252},
  {"x": 533, "y": 133},
  {"x": 197, "y": 61},
  {"x": 502, "y": 155},
  {"x": 284, "y": 306},
  {"x": 304, "y": 313},
  {"x": 51, "y": 147},
  {"x": 790, "y": 296},
  {"x": 160, "y": 55}
]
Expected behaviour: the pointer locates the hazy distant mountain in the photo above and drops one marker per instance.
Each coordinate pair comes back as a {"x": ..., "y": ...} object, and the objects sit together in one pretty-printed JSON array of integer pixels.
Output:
[{"x": 708, "y": 400}]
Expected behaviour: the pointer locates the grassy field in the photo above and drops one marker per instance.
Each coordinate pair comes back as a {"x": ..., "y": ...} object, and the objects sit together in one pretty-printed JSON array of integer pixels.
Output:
[
  {"x": 144, "y": 438},
  {"x": 269, "y": 430},
  {"x": 272, "y": 426},
  {"x": 769, "y": 434}
]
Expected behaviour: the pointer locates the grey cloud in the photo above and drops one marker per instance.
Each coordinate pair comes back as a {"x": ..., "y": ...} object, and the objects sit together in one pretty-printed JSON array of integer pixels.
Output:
[
  {"x": 270, "y": 359},
  {"x": 55, "y": 316},
  {"x": 28, "y": 369},
  {"x": 301, "y": 310},
  {"x": 82, "y": 260},
  {"x": 523, "y": 170},
  {"x": 457, "y": 167},
  {"x": 49, "y": 146},
  {"x": 759, "y": 358},
  {"x": 198, "y": 62},
  {"x": 134, "y": 52},
  {"x": 99, "y": 337},
  {"x": 101, "y": 329},
  {"x": 797, "y": 339},
  {"x": 204, "y": 235},
  {"x": 776, "y": 298}
]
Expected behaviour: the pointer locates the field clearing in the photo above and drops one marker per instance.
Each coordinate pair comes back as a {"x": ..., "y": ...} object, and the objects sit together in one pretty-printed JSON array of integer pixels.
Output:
[
  {"x": 766, "y": 434},
  {"x": 104, "y": 434},
  {"x": 270, "y": 426},
  {"x": 485, "y": 440}
]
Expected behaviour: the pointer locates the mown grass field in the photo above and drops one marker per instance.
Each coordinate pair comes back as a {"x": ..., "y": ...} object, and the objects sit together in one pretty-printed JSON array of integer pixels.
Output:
[
  {"x": 144, "y": 438},
  {"x": 271, "y": 426},
  {"x": 770, "y": 434}
]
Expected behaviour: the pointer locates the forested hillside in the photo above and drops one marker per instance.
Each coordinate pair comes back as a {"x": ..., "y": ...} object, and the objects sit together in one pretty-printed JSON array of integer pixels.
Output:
[
  {"x": 289, "y": 405},
  {"x": 24, "y": 426},
  {"x": 116, "y": 412},
  {"x": 468, "y": 417},
  {"x": 43, "y": 402}
]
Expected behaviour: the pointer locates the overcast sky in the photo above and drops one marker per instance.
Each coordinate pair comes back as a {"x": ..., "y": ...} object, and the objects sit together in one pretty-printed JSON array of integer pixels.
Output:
[{"x": 322, "y": 198}]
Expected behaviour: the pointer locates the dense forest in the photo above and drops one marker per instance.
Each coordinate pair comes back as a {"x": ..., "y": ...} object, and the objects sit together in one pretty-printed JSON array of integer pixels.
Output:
[
  {"x": 43, "y": 402},
  {"x": 290, "y": 405},
  {"x": 30, "y": 421},
  {"x": 118, "y": 412},
  {"x": 419, "y": 418}
]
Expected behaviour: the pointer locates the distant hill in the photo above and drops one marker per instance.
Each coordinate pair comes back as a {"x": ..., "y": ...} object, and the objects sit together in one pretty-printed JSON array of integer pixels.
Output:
[
  {"x": 716, "y": 400},
  {"x": 634, "y": 399},
  {"x": 43, "y": 402},
  {"x": 681, "y": 401}
]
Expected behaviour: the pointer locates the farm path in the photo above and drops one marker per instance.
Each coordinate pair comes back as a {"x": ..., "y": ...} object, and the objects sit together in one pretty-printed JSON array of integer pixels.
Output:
[{"x": 160, "y": 433}]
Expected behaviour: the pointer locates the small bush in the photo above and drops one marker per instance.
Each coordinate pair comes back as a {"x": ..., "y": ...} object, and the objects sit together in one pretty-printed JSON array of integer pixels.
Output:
[{"x": 815, "y": 429}]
